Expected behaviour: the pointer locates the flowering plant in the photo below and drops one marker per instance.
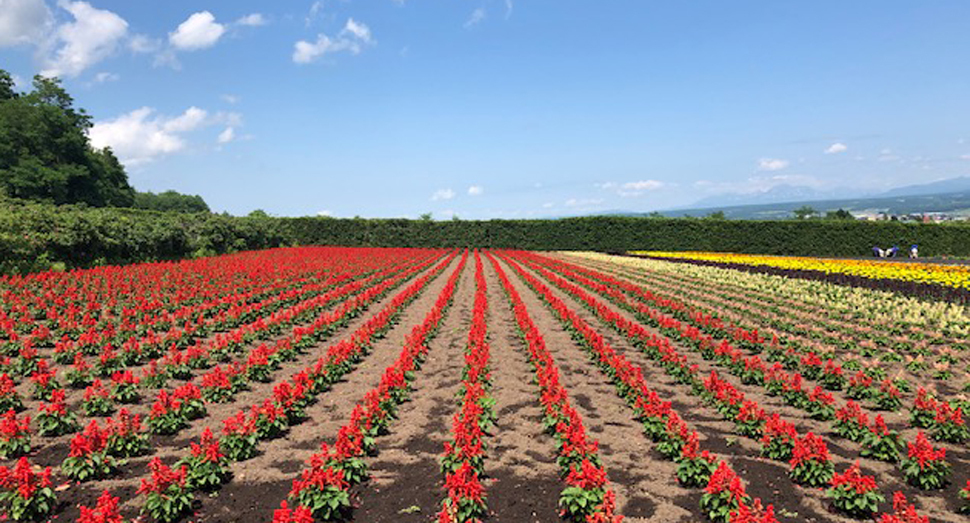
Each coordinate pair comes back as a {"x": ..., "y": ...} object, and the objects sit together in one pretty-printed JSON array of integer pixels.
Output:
[
  {"x": 54, "y": 419},
  {"x": 323, "y": 491},
  {"x": 694, "y": 469},
  {"x": 465, "y": 501},
  {"x": 105, "y": 511},
  {"x": 125, "y": 387},
  {"x": 860, "y": 386},
  {"x": 810, "y": 463},
  {"x": 855, "y": 494},
  {"x": 924, "y": 466},
  {"x": 168, "y": 498},
  {"x": 586, "y": 488},
  {"x": 25, "y": 494},
  {"x": 948, "y": 424},
  {"x": 126, "y": 436},
  {"x": 9, "y": 398},
  {"x": 166, "y": 416},
  {"x": 778, "y": 439},
  {"x": 851, "y": 422},
  {"x": 723, "y": 495},
  {"x": 207, "y": 466},
  {"x": 888, "y": 396},
  {"x": 89, "y": 458},
  {"x": 881, "y": 443},
  {"x": 190, "y": 399},
  {"x": 285, "y": 514},
  {"x": 924, "y": 410},
  {"x": 97, "y": 400},
  {"x": 14, "y": 435},
  {"x": 903, "y": 512},
  {"x": 80, "y": 374},
  {"x": 239, "y": 437},
  {"x": 750, "y": 420}
]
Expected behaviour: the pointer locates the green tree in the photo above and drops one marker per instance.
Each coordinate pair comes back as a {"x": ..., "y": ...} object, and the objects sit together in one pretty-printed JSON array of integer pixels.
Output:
[
  {"x": 258, "y": 213},
  {"x": 45, "y": 153},
  {"x": 716, "y": 215},
  {"x": 804, "y": 212},
  {"x": 170, "y": 201},
  {"x": 840, "y": 214},
  {"x": 426, "y": 217}
]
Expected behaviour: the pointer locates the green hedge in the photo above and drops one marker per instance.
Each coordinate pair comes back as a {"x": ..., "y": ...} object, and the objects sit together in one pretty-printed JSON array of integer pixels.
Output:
[
  {"x": 36, "y": 236},
  {"x": 616, "y": 234}
]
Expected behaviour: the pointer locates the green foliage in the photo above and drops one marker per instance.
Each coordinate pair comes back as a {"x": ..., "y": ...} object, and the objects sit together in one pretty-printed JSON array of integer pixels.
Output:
[
  {"x": 45, "y": 153},
  {"x": 170, "y": 201},
  {"x": 33, "y": 236},
  {"x": 620, "y": 234},
  {"x": 858, "y": 505}
]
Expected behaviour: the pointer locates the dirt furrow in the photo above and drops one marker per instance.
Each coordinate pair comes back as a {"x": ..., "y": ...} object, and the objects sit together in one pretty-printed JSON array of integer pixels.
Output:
[
  {"x": 645, "y": 484},
  {"x": 259, "y": 483}
]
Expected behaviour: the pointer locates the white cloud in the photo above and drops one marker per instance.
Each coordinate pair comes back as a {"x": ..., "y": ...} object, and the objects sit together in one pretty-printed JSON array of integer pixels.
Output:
[
  {"x": 190, "y": 120},
  {"x": 548, "y": 205},
  {"x": 836, "y": 148},
  {"x": 24, "y": 22},
  {"x": 252, "y": 20},
  {"x": 476, "y": 190},
  {"x": 231, "y": 99},
  {"x": 198, "y": 31},
  {"x": 143, "y": 44},
  {"x": 226, "y": 136},
  {"x": 325, "y": 212},
  {"x": 577, "y": 202},
  {"x": 508, "y": 9},
  {"x": 142, "y": 135},
  {"x": 358, "y": 30},
  {"x": 476, "y": 17},
  {"x": 637, "y": 188},
  {"x": 643, "y": 185},
  {"x": 352, "y": 38},
  {"x": 965, "y": 156},
  {"x": 91, "y": 37},
  {"x": 313, "y": 12},
  {"x": 442, "y": 194},
  {"x": 105, "y": 77},
  {"x": 772, "y": 164}
]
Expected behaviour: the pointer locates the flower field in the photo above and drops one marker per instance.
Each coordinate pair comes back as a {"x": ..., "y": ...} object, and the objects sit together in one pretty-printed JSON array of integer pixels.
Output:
[
  {"x": 429, "y": 385},
  {"x": 957, "y": 276}
]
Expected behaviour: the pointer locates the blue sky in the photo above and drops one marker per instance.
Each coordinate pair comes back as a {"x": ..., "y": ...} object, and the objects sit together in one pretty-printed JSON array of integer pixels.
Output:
[{"x": 501, "y": 109}]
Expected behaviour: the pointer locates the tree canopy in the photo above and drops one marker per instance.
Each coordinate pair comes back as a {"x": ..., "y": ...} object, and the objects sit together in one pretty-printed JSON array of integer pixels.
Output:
[
  {"x": 170, "y": 201},
  {"x": 45, "y": 153}
]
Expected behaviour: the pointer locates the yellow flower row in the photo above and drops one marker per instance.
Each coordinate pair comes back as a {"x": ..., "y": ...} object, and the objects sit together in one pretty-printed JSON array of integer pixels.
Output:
[
  {"x": 865, "y": 306},
  {"x": 948, "y": 275}
]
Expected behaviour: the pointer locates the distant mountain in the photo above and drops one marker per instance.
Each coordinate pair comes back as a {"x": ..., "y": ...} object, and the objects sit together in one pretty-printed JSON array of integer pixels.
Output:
[
  {"x": 956, "y": 203},
  {"x": 949, "y": 185},
  {"x": 777, "y": 194}
]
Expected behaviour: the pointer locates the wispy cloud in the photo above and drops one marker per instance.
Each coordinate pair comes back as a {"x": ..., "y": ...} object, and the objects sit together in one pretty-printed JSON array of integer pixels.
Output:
[
  {"x": 772, "y": 164},
  {"x": 476, "y": 190},
  {"x": 442, "y": 194},
  {"x": 476, "y": 17},
  {"x": 837, "y": 148},
  {"x": 352, "y": 38}
]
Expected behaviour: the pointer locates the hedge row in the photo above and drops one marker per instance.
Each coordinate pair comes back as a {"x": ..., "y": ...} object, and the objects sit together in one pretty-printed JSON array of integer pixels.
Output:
[
  {"x": 36, "y": 236},
  {"x": 618, "y": 234}
]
